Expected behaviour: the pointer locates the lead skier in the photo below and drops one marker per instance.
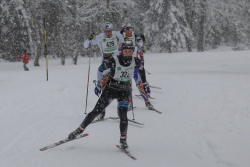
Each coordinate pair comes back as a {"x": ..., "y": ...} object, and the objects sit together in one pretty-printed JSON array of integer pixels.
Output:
[{"x": 118, "y": 87}]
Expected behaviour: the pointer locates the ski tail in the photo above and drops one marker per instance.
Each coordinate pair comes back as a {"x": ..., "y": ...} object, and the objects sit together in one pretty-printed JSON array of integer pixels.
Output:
[
  {"x": 126, "y": 152},
  {"x": 154, "y": 87},
  {"x": 62, "y": 142}
]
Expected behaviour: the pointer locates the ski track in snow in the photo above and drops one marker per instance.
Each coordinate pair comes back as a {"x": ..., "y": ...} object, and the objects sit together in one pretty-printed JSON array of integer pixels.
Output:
[{"x": 204, "y": 98}]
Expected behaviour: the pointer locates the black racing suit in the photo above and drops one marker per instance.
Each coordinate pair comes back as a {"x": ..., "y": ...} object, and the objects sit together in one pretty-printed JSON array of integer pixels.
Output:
[{"x": 114, "y": 90}]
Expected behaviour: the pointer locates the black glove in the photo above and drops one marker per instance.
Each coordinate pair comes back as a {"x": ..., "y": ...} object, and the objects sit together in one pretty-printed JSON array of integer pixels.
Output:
[{"x": 91, "y": 36}]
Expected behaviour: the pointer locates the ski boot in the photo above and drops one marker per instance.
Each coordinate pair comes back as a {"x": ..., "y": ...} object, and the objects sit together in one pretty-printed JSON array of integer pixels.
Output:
[
  {"x": 123, "y": 143},
  {"x": 75, "y": 133},
  {"x": 149, "y": 105}
]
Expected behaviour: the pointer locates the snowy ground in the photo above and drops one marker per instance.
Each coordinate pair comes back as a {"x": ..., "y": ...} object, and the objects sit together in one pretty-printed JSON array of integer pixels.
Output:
[{"x": 205, "y": 102}]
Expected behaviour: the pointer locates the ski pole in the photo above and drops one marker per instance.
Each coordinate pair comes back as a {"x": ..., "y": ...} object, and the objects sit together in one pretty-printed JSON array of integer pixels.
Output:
[
  {"x": 147, "y": 71},
  {"x": 132, "y": 102},
  {"x": 88, "y": 84}
]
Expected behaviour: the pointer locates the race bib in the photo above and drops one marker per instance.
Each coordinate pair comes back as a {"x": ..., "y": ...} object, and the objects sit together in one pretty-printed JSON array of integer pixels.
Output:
[
  {"x": 109, "y": 45},
  {"x": 124, "y": 74}
]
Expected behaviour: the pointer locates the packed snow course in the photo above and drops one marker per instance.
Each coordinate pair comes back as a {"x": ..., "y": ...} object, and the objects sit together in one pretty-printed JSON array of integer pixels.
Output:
[{"x": 205, "y": 100}]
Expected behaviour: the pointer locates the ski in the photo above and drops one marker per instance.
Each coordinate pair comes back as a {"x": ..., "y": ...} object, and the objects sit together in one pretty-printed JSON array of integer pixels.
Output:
[
  {"x": 115, "y": 118},
  {"x": 156, "y": 110},
  {"x": 126, "y": 152},
  {"x": 99, "y": 120},
  {"x": 148, "y": 96},
  {"x": 135, "y": 122},
  {"x": 62, "y": 142},
  {"x": 154, "y": 87},
  {"x": 130, "y": 120}
]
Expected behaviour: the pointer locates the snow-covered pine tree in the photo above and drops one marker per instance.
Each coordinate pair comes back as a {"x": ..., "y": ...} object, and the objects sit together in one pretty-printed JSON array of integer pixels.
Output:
[
  {"x": 98, "y": 12},
  {"x": 166, "y": 27},
  {"x": 16, "y": 29},
  {"x": 237, "y": 23}
]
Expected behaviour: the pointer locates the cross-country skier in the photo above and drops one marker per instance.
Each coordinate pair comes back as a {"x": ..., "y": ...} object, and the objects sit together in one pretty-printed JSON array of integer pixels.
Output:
[
  {"x": 108, "y": 42},
  {"x": 25, "y": 58},
  {"x": 118, "y": 87},
  {"x": 102, "y": 79},
  {"x": 137, "y": 40},
  {"x": 123, "y": 26}
]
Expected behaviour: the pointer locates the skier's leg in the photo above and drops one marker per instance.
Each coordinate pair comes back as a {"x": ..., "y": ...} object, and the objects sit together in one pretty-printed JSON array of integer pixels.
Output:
[
  {"x": 141, "y": 89},
  {"x": 25, "y": 67},
  {"x": 123, "y": 102},
  {"x": 129, "y": 104},
  {"x": 104, "y": 83},
  {"x": 100, "y": 106},
  {"x": 104, "y": 100},
  {"x": 123, "y": 107}
]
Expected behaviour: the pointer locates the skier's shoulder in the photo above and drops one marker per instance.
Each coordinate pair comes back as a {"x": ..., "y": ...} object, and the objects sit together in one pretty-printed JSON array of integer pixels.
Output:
[
  {"x": 109, "y": 60},
  {"x": 100, "y": 36},
  {"x": 117, "y": 34}
]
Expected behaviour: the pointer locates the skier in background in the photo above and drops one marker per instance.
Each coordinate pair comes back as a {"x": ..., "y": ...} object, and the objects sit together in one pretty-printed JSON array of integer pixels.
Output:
[
  {"x": 129, "y": 35},
  {"x": 25, "y": 58},
  {"x": 123, "y": 26}
]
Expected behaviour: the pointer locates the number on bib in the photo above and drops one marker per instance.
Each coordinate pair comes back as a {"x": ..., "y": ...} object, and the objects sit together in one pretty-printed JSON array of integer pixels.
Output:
[
  {"x": 125, "y": 74},
  {"x": 110, "y": 44}
]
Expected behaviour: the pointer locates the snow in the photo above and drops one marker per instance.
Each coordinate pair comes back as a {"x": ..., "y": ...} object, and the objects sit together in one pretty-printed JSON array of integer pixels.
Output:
[{"x": 204, "y": 99}]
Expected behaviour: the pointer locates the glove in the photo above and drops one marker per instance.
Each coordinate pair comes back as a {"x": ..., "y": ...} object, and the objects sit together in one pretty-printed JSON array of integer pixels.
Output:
[
  {"x": 98, "y": 90},
  {"x": 143, "y": 49},
  {"x": 90, "y": 36},
  {"x": 147, "y": 88}
]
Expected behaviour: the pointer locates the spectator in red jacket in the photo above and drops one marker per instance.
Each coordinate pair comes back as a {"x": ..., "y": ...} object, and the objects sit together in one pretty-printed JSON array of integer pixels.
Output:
[{"x": 25, "y": 58}]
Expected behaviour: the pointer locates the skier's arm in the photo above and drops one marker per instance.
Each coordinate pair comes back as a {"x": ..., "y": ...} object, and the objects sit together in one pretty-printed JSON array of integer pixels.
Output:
[
  {"x": 94, "y": 41},
  {"x": 109, "y": 63},
  {"x": 138, "y": 63},
  {"x": 140, "y": 67},
  {"x": 120, "y": 37},
  {"x": 20, "y": 57}
]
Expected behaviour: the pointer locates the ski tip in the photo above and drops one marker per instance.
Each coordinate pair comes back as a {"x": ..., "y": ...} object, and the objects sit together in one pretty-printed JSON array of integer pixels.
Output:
[{"x": 86, "y": 134}]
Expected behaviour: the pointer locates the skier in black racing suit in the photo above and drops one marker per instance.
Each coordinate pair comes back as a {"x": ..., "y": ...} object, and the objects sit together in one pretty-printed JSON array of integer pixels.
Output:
[{"x": 118, "y": 87}]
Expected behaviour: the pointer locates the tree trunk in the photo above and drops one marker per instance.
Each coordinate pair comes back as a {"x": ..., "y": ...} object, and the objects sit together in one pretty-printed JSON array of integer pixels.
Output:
[
  {"x": 189, "y": 12},
  {"x": 200, "y": 44},
  {"x": 77, "y": 34},
  {"x": 235, "y": 36},
  {"x": 37, "y": 43},
  {"x": 29, "y": 29},
  {"x": 77, "y": 42},
  {"x": 107, "y": 11},
  {"x": 60, "y": 42}
]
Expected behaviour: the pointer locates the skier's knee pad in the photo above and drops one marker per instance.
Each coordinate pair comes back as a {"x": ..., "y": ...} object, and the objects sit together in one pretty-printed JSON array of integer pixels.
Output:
[{"x": 123, "y": 104}]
